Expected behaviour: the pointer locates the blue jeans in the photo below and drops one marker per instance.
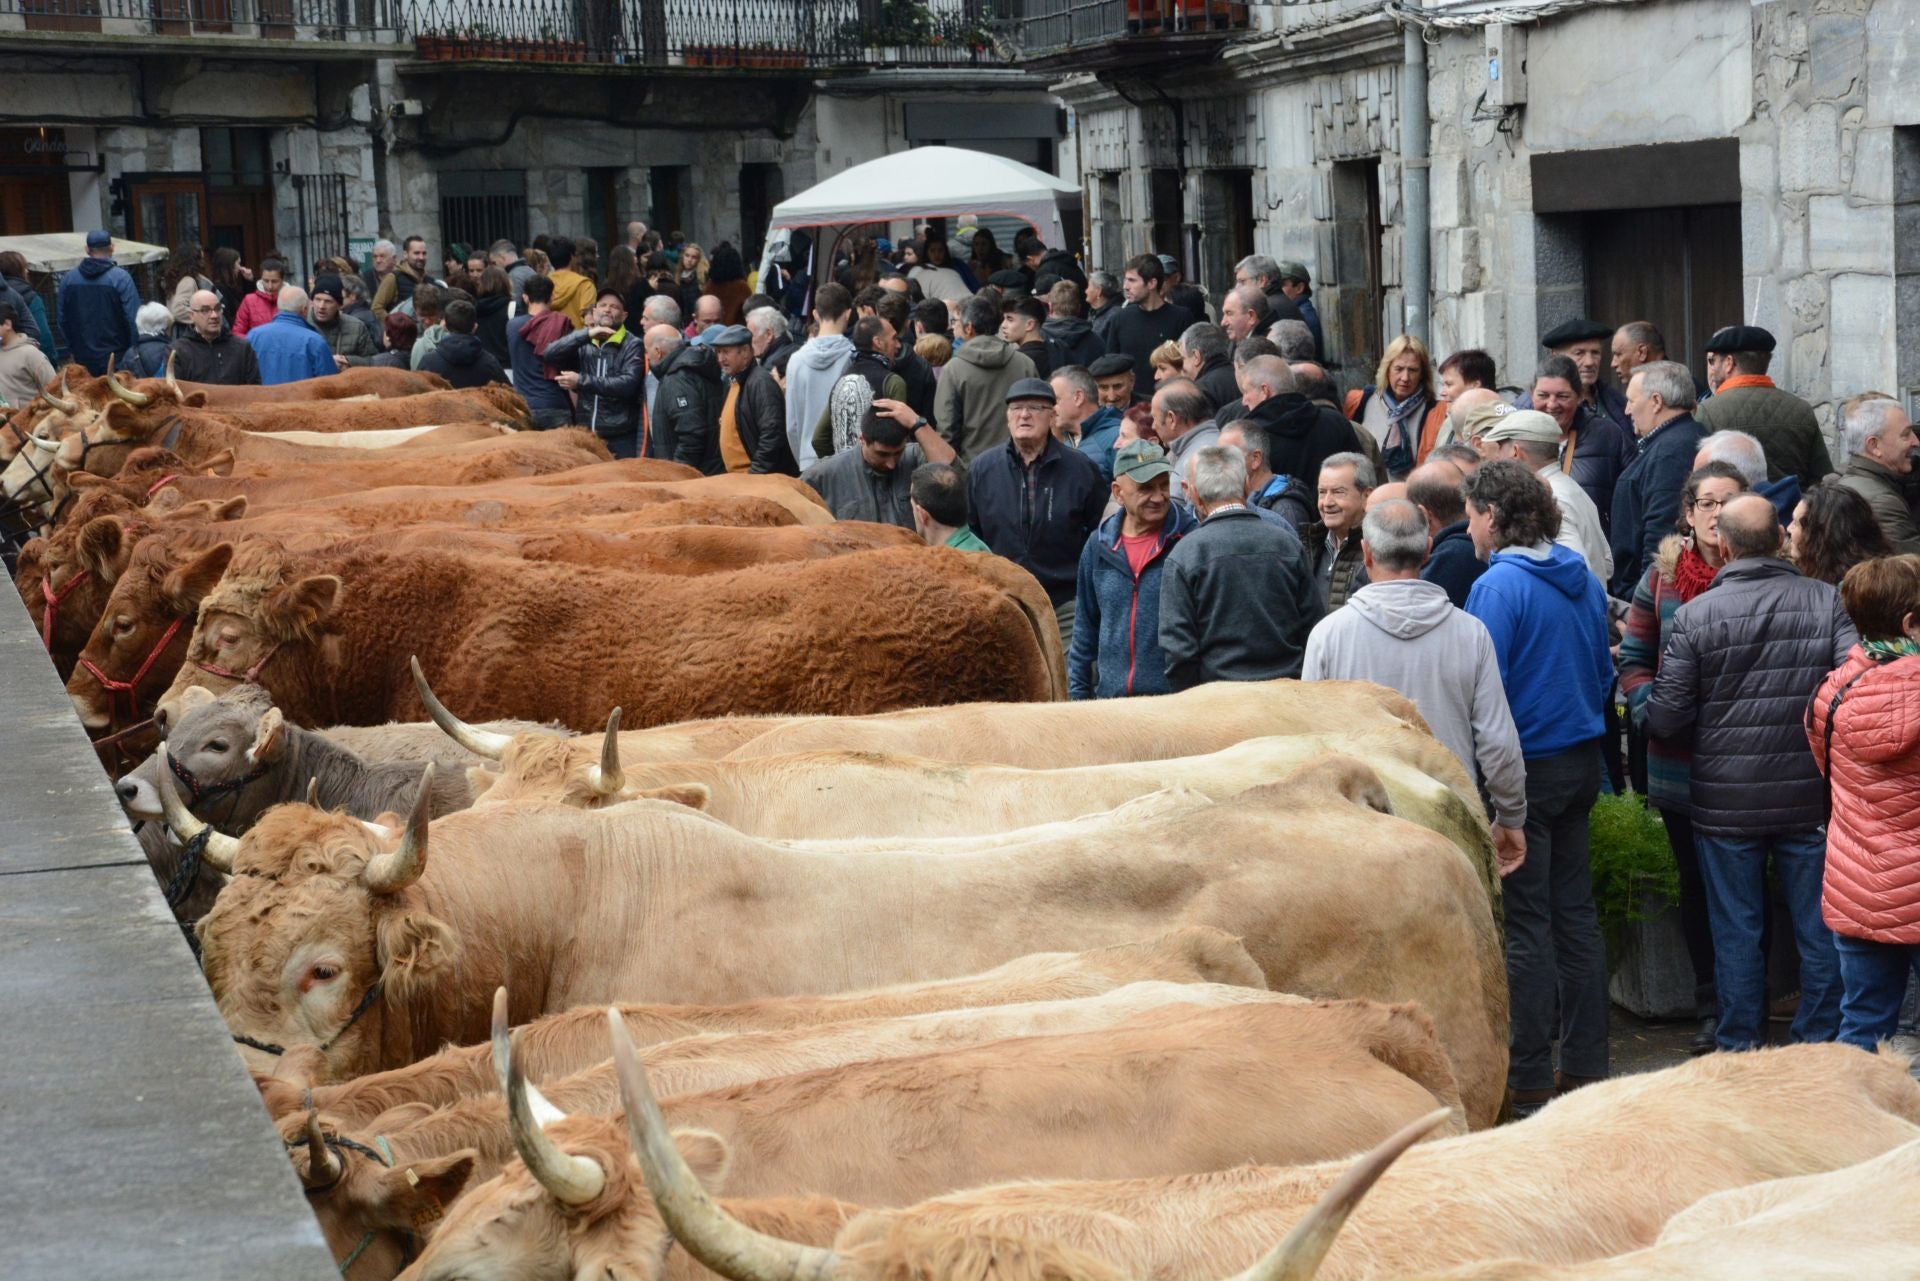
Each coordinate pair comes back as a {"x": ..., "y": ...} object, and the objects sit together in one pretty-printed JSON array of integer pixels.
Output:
[
  {"x": 627, "y": 446},
  {"x": 1875, "y": 977},
  {"x": 1735, "y": 871}
]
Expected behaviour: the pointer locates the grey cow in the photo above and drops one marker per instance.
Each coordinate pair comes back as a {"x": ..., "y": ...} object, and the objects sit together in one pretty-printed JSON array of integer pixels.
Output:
[{"x": 235, "y": 756}]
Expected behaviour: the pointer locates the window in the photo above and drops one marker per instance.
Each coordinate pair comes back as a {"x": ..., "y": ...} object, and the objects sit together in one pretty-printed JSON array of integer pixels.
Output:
[
  {"x": 480, "y": 206},
  {"x": 1164, "y": 209},
  {"x": 669, "y": 199}
]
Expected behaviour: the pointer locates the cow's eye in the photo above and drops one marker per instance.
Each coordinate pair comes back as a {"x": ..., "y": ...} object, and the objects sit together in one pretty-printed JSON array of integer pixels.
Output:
[
  {"x": 324, "y": 973},
  {"x": 217, "y": 745},
  {"x": 122, "y": 627}
]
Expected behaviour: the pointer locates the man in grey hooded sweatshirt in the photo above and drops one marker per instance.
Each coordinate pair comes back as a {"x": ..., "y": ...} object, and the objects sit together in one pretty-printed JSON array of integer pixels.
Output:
[
  {"x": 813, "y": 370},
  {"x": 1405, "y": 634}
]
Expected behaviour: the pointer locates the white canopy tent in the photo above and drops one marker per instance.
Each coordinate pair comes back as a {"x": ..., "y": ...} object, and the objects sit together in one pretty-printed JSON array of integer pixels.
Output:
[
  {"x": 929, "y": 182},
  {"x": 56, "y": 251}
]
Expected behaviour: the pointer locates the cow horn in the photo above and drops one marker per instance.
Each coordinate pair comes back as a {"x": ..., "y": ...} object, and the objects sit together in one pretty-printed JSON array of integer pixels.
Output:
[
  {"x": 48, "y": 444},
  {"x": 220, "y": 847},
  {"x": 323, "y": 1163},
  {"x": 481, "y": 742},
  {"x": 606, "y": 777},
  {"x": 544, "y": 1113},
  {"x": 138, "y": 399},
  {"x": 391, "y": 873},
  {"x": 710, "y": 1234},
  {"x": 570, "y": 1180},
  {"x": 109, "y": 364},
  {"x": 62, "y": 402},
  {"x": 171, "y": 357},
  {"x": 313, "y": 792},
  {"x": 1299, "y": 1256}
]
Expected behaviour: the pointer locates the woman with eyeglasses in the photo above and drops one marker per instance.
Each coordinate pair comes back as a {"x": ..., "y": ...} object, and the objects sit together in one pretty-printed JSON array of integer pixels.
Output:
[{"x": 1684, "y": 567}]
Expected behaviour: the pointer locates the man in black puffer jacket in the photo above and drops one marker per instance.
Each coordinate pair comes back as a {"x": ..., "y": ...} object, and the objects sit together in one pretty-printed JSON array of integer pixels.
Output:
[
  {"x": 1302, "y": 435},
  {"x": 602, "y": 364},
  {"x": 458, "y": 357},
  {"x": 1744, "y": 658},
  {"x": 760, "y": 408},
  {"x": 685, "y": 426}
]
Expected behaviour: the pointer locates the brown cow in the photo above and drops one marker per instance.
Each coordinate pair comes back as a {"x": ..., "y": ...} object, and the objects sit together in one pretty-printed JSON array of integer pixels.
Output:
[
  {"x": 555, "y": 503},
  {"x": 162, "y": 479},
  {"x": 329, "y": 635},
  {"x": 1595, "y": 1174},
  {"x": 558, "y": 1045},
  {"x": 349, "y": 384},
  {"x": 1335, "y": 898},
  {"x": 1166, "y": 1091}
]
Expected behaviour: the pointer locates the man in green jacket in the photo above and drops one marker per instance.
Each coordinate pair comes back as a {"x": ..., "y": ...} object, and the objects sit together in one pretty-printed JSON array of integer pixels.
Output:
[
  {"x": 938, "y": 494},
  {"x": 1879, "y": 439},
  {"x": 1746, "y": 400}
]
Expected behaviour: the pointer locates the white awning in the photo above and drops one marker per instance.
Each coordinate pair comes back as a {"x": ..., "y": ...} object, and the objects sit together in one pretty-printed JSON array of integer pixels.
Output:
[
  {"x": 57, "y": 251},
  {"x": 932, "y": 182}
]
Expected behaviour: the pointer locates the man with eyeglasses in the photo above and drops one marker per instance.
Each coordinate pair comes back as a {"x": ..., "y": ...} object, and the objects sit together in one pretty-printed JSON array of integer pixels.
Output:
[
  {"x": 210, "y": 352},
  {"x": 1035, "y": 499}
]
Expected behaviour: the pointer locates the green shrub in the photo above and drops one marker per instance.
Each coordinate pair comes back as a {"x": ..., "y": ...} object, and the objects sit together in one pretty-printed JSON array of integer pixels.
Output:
[{"x": 1633, "y": 867}]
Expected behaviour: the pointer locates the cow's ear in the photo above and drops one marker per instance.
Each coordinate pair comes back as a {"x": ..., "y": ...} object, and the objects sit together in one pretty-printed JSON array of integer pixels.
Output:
[
  {"x": 101, "y": 548},
  {"x": 188, "y": 585},
  {"x": 411, "y": 948},
  {"x": 231, "y": 509},
  {"x": 194, "y": 400},
  {"x": 479, "y": 780},
  {"x": 706, "y": 1154},
  {"x": 221, "y": 464},
  {"x": 695, "y": 796},
  {"x": 414, "y": 1196},
  {"x": 269, "y": 736},
  {"x": 293, "y": 611},
  {"x": 85, "y": 480},
  {"x": 121, "y": 420}
]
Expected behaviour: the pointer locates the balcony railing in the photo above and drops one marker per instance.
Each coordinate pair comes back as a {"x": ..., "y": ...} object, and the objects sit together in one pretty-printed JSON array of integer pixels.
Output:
[
  {"x": 740, "y": 34},
  {"x": 338, "y": 21},
  {"x": 1048, "y": 28}
]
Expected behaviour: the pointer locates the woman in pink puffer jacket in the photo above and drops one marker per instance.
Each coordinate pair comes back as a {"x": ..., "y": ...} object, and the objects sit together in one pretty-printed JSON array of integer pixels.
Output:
[{"x": 1864, "y": 726}]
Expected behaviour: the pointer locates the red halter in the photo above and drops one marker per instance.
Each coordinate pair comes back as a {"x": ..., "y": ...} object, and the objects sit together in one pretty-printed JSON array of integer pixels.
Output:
[
  {"x": 127, "y": 687},
  {"x": 53, "y": 600},
  {"x": 245, "y": 678},
  {"x": 160, "y": 484}
]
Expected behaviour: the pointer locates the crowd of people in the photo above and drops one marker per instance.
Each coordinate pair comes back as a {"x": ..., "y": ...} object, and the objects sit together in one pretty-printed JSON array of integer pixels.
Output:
[{"x": 1584, "y": 582}]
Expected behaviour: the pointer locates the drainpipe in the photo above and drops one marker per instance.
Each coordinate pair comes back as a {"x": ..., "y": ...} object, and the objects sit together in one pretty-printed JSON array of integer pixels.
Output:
[{"x": 1416, "y": 278}]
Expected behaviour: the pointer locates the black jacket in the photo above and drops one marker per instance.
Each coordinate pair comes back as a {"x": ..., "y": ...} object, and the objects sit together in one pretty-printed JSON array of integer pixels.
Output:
[
  {"x": 612, "y": 379},
  {"x": 760, "y": 415},
  {"x": 1744, "y": 657},
  {"x": 1236, "y": 603},
  {"x": 1041, "y": 354},
  {"x": 1279, "y": 308},
  {"x": 685, "y": 426},
  {"x": 1602, "y": 449},
  {"x": 1058, "y": 262},
  {"x": 462, "y": 361},
  {"x": 226, "y": 361},
  {"x": 1043, "y": 526},
  {"x": 1646, "y": 499},
  {"x": 1071, "y": 341},
  {"x": 1301, "y": 435},
  {"x": 1453, "y": 563},
  {"x": 1218, "y": 385},
  {"x": 490, "y": 313},
  {"x": 919, "y": 377}
]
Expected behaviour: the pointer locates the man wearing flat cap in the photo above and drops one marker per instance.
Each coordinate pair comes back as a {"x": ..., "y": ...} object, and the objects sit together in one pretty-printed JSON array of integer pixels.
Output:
[
  {"x": 1533, "y": 439},
  {"x": 1746, "y": 400},
  {"x": 1035, "y": 499},
  {"x": 1113, "y": 377}
]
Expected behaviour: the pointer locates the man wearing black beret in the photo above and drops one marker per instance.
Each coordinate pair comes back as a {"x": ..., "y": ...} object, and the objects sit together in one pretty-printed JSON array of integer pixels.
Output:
[
  {"x": 1585, "y": 343},
  {"x": 1745, "y": 399}
]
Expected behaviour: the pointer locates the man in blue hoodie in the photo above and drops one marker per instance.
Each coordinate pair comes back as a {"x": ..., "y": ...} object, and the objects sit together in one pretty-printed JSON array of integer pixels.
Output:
[
  {"x": 98, "y": 304},
  {"x": 1547, "y": 615},
  {"x": 288, "y": 347},
  {"x": 1116, "y": 635}
]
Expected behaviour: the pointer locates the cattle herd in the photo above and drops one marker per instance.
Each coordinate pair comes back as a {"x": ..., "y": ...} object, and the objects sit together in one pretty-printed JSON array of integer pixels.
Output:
[{"x": 611, "y": 872}]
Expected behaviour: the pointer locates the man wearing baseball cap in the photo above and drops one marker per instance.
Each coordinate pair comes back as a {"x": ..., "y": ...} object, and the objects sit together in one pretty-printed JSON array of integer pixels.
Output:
[
  {"x": 1746, "y": 400},
  {"x": 97, "y": 303},
  {"x": 1116, "y": 633},
  {"x": 1035, "y": 498},
  {"x": 1533, "y": 439},
  {"x": 1296, "y": 285}
]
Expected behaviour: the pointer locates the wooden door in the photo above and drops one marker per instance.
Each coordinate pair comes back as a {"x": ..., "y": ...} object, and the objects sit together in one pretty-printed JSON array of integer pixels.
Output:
[
  {"x": 167, "y": 209},
  {"x": 1678, "y": 268},
  {"x": 242, "y": 220}
]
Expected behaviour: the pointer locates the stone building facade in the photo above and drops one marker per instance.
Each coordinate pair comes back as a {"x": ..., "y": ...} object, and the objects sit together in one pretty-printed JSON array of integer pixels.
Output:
[{"x": 1693, "y": 162}]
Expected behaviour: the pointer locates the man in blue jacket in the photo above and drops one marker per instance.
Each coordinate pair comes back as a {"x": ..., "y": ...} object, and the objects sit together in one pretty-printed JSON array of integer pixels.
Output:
[
  {"x": 1116, "y": 627},
  {"x": 97, "y": 306},
  {"x": 1547, "y": 615},
  {"x": 288, "y": 347},
  {"x": 1646, "y": 498}
]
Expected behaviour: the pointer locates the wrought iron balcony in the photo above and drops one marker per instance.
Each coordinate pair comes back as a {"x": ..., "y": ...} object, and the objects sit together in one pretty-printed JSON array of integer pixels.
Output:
[
  {"x": 213, "y": 22},
  {"x": 754, "y": 35},
  {"x": 1110, "y": 31}
]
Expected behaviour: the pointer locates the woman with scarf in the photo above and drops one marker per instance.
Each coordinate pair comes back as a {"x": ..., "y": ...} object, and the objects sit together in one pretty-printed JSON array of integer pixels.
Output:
[
  {"x": 1863, "y": 724},
  {"x": 1402, "y": 406},
  {"x": 1683, "y": 568}
]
